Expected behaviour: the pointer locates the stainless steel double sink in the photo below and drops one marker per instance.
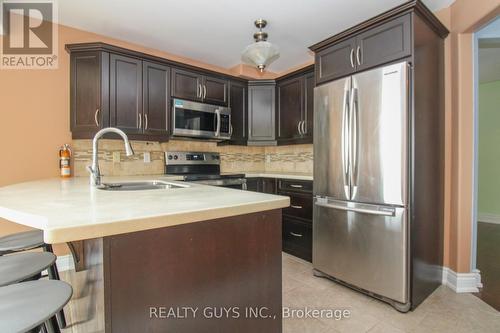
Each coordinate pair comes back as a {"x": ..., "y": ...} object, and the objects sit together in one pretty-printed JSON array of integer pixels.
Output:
[{"x": 140, "y": 186}]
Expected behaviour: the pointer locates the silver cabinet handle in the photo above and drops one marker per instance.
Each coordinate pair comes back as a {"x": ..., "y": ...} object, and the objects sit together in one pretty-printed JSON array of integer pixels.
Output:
[
  {"x": 198, "y": 94},
  {"x": 358, "y": 55},
  {"x": 96, "y": 118},
  {"x": 304, "y": 127},
  {"x": 295, "y": 235},
  {"x": 299, "y": 127},
  {"x": 230, "y": 129},
  {"x": 204, "y": 91},
  {"x": 296, "y": 186},
  {"x": 146, "y": 122},
  {"x": 351, "y": 57},
  {"x": 140, "y": 120},
  {"x": 296, "y": 207}
]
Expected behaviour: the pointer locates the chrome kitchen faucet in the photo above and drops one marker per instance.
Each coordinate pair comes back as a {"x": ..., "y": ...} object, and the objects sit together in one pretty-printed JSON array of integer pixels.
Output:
[{"x": 95, "y": 174}]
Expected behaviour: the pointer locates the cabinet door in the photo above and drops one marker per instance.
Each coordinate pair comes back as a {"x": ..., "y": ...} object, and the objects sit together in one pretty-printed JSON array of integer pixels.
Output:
[
  {"x": 309, "y": 105},
  {"x": 156, "y": 82},
  {"x": 290, "y": 108},
  {"x": 261, "y": 113},
  {"x": 126, "y": 93},
  {"x": 238, "y": 105},
  {"x": 89, "y": 93},
  {"x": 268, "y": 185},
  {"x": 385, "y": 43},
  {"x": 336, "y": 61},
  {"x": 186, "y": 85},
  {"x": 215, "y": 90},
  {"x": 253, "y": 184}
]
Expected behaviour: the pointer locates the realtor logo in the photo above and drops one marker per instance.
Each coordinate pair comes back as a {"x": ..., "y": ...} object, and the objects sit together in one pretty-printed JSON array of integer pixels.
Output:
[{"x": 29, "y": 30}]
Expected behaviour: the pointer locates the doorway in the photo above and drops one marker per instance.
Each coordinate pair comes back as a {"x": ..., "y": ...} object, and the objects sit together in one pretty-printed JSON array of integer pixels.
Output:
[{"x": 487, "y": 227}]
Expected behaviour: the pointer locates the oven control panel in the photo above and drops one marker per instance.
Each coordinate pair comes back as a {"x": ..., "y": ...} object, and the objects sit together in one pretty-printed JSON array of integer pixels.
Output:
[{"x": 183, "y": 157}]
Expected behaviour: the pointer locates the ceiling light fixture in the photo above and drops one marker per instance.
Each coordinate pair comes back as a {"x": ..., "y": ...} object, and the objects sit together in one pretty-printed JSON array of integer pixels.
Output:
[{"x": 261, "y": 53}]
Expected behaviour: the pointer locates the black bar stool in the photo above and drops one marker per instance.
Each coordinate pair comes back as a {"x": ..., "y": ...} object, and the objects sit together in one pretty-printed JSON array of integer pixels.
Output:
[
  {"x": 28, "y": 240},
  {"x": 29, "y": 305}
]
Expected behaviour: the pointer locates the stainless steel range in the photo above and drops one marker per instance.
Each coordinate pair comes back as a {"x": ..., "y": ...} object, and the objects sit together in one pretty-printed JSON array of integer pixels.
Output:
[{"x": 201, "y": 168}]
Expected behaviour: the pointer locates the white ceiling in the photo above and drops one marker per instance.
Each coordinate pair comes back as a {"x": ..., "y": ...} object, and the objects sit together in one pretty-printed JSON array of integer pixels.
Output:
[{"x": 216, "y": 31}]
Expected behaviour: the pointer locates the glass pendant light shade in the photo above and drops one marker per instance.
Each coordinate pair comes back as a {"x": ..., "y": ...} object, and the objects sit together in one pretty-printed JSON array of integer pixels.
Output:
[{"x": 260, "y": 54}]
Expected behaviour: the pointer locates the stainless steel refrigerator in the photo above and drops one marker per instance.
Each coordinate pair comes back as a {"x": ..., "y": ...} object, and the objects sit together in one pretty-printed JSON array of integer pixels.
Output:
[{"x": 361, "y": 187}]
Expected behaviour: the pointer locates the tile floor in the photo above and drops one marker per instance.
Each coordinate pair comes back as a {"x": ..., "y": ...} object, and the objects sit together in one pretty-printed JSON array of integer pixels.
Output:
[{"x": 444, "y": 311}]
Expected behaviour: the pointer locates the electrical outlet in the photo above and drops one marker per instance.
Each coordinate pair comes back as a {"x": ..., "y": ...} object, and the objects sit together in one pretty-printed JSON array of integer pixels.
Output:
[
  {"x": 116, "y": 157},
  {"x": 268, "y": 158},
  {"x": 147, "y": 157}
]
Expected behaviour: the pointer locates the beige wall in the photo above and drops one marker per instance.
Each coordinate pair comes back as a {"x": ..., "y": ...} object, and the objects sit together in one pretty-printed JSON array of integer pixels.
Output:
[{"x": 463, "y": 17}]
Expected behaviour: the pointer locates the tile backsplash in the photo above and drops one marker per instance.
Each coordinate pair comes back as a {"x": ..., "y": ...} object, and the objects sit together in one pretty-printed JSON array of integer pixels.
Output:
[{"x": 296, "y": 158}]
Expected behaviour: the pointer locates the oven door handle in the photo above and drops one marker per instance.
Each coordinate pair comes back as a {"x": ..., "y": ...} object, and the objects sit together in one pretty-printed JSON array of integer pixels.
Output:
[{"x": 217, "y": 130}]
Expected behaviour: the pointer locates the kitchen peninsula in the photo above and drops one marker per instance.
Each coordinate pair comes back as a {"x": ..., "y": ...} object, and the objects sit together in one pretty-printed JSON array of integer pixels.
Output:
[{"x": 187, "y": 246}]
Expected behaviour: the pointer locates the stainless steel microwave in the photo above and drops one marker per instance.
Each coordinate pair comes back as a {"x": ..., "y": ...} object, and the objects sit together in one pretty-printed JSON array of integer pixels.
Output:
[{"x": 198, "y": 120}]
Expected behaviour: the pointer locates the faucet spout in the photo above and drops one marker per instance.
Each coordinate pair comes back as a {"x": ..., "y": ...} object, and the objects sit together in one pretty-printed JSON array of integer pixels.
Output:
[{"x": 95, "y": 174}]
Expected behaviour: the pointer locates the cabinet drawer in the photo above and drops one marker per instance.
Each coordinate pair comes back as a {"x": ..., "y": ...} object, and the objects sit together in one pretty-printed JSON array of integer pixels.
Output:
[
  {"x": 297, "y": 238},
  {"x": 300, "y": 205},
  {"x": 304, "y": 186}
]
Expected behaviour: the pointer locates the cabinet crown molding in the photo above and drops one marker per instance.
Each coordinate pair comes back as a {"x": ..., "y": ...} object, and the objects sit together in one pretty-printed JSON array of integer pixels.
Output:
[{"x": 413, "y": 6}]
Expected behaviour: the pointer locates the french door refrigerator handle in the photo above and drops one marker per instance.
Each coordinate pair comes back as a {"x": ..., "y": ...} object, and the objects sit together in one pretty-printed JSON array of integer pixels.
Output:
[
  {"x": 345, "y": 139},
  {"x": 385, "y": 212},
  {"x": 353, "y": 144}
]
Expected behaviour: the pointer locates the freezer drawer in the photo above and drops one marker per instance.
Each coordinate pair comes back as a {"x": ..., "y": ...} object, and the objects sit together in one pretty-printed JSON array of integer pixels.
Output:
[{"x": 363, "y": 245}]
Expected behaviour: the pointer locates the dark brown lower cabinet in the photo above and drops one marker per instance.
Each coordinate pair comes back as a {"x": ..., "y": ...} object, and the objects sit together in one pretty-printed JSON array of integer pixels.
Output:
[
  {"x": 297, "y": 238},
  {"x": 297, "y": 218}
]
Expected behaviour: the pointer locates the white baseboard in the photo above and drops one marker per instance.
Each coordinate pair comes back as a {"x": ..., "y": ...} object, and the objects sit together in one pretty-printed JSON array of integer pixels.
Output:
[
  {"x": 462, "y": 282},
  {"x": 65, "y": 263},
  {"x": 488, "y": 218}
]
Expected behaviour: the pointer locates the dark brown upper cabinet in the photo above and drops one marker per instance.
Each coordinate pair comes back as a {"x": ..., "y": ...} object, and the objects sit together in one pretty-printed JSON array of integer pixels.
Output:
[
  {"x": 379, "y": 44},
  {"x": 384, "y": 43},
  {"x": 295, "y": 107},
  {"x": 215, "y": 90},
  {"x": 126, "y": 94},
  {"x": 89, "y": 92},
  {"x": 194, "y": 86},
  {"x": 261, "y": 112},
  {"x": 186, "y": 85},
  {"x": 156, "y": 84},
  {"x": 336, "y": 61},
  {"x": 238, "y": 105},
  {"x": 290, "y": 95}
]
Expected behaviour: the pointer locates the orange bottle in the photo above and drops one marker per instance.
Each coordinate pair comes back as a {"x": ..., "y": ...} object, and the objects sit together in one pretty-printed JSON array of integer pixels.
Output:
[{"x": 65, "y": 161}]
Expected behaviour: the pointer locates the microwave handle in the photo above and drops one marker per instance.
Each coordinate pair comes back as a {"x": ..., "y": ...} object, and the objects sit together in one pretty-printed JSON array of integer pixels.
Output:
[{"x": 217, "y": 131}]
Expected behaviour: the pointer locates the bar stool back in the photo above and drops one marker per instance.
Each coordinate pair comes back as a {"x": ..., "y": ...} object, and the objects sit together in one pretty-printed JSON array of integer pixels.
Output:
[
  {"x": 21, "y": 241},
  {"x": 23, "y": 266},
  {"x": 28, "y": 305},
  {"x": 27, "y": 240}
]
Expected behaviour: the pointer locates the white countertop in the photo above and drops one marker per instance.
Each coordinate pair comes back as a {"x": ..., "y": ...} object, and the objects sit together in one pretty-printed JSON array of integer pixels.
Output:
[
  {"x": 282, "y": 175},
  {"x": 69, "y": 210}
]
